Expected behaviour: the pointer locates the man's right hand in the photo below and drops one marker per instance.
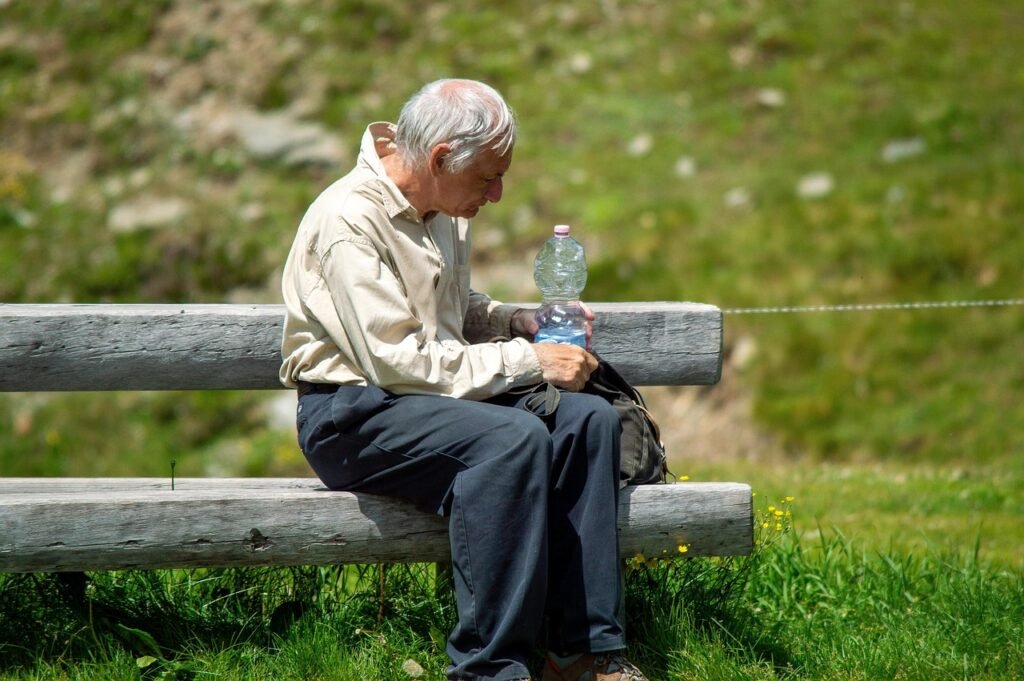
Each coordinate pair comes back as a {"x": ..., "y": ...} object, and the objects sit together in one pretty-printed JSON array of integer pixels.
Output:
[{"x": 565, "y": 366}]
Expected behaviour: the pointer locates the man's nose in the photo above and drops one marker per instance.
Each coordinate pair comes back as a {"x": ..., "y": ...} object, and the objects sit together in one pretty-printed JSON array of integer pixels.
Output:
[{"x": 494, "y": 189}]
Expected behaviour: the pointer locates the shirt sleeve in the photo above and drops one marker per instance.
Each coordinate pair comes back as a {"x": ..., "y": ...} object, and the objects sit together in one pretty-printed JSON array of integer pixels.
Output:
[
  {"x": 385, "y": 342},
  {"x": 486, "y": 318}
]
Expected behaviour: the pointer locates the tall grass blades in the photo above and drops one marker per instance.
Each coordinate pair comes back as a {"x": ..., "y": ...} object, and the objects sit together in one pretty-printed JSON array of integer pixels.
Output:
[{"x": 792, "y": 610}]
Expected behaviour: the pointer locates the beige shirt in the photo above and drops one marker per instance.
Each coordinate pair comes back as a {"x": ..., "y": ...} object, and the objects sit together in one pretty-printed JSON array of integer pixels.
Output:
[{"x": 374, "y": 295}]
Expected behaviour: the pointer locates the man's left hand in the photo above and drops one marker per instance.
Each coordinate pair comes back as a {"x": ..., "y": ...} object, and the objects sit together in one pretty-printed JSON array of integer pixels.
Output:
[{"x": 524, "y": 322}]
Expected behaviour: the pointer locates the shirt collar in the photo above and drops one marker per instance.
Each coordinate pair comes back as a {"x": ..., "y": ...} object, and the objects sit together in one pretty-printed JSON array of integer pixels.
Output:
[{"x": 379, "y": 139}]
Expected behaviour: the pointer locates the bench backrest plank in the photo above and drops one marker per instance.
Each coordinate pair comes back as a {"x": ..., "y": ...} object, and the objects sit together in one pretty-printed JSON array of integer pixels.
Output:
[{"x": 214, "y": 347}]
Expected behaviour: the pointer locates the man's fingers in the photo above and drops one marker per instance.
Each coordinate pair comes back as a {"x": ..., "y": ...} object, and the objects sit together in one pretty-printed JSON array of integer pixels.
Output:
[{"x": 566, "y": 366}]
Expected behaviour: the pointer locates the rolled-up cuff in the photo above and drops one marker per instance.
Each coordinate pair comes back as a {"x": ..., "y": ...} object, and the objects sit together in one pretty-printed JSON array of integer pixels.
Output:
[
  {"x": 522, "y": 362},
  {"x": 499, "y": 319}
]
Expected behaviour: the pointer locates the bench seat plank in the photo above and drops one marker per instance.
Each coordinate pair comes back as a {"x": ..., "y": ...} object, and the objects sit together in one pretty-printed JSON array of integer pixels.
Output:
[
  {"x": 237, "y": 347},
  {"x": 55, "y": 524}
]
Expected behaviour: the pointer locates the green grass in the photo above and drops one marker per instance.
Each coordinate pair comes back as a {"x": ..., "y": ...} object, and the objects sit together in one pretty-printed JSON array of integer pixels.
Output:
[
  {"x": 796, "y": 609},
  {"x": 904, "y": 509}
]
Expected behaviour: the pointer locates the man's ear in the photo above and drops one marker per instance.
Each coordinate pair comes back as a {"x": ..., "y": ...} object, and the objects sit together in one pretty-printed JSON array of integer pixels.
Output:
[{"x": 439, "y": 158}]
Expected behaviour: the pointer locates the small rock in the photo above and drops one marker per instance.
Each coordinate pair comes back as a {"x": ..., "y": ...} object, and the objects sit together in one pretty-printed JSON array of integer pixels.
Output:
[
  {"x": 279, "y": 135},
  {"x": 903, "y": 149},
  {"x": 580, "y": 63},
  {"x": 771, "y": 98},
  {"x": 686, "y": 167},
  {"x": 640, "y": 145},
  {"x": 145, "y": 212},
  {"x": 815, "y": 186},
  {"x": 251, "y": 212},
  {"x": 738, "y": 197},
  {"x": 412, "y": 668},
  {"x": 742, "y": 56}
]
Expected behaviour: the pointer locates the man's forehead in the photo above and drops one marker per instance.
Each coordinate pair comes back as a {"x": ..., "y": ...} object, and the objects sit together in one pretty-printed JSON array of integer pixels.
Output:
[{"x": 493, "y": 161}]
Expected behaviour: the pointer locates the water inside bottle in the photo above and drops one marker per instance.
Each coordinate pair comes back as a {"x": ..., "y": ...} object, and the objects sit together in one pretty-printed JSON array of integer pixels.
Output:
[
  {"x": 562, "y": 322},
  {"x": 566, "y": 336}
]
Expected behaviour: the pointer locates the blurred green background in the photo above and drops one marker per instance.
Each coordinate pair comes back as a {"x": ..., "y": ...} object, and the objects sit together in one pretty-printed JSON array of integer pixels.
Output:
[{"x": 745, "y": 153}]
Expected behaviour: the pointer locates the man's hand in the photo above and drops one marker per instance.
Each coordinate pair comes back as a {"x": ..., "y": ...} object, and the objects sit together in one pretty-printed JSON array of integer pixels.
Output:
[
  {"x": 565, "y": 366},
  {"x": 524, "y": 322}
]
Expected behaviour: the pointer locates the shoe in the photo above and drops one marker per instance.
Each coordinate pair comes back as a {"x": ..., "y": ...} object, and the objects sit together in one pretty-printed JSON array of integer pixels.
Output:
[{"x": 594, "y": 667}]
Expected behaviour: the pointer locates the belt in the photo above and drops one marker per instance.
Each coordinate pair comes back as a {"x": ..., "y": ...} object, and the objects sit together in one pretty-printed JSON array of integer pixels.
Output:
[{"x": 312, "y": 388}]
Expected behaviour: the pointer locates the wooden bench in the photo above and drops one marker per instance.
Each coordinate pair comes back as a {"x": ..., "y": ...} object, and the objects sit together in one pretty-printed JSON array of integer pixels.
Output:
[{"x": 74, "y": 524}]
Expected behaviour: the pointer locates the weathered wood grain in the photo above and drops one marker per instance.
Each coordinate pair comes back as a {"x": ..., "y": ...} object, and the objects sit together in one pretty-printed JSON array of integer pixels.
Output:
[
  {"x": 58, "y": 524},
  {"x": 55, "y": 524},
  {"x": 213, "y": 347}
]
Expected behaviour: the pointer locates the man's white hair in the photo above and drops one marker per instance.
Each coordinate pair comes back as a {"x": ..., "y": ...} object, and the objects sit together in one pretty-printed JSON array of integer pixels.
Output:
[{"x": 468, "y": 115}]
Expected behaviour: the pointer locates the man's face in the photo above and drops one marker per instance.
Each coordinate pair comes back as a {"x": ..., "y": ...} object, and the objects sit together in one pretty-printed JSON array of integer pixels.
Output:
[{"x": 462, "y": 194}]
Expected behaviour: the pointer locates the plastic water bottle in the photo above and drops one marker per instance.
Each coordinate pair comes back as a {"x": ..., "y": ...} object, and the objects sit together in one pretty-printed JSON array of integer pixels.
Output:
[{"x": 560, "y": 272}]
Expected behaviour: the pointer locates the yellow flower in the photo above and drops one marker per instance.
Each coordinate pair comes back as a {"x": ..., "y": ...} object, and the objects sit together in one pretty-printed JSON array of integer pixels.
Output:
[
  {"x": 683, "y": 548},
  {"x": 778, "y": 513},
  {"x": 778, "y": 527},
  {"x": 764, "y": 526},
  {"x": 771, "y": 509},
  {"x": 790, "y": 498},
  {"x": 684, "y": 478}
]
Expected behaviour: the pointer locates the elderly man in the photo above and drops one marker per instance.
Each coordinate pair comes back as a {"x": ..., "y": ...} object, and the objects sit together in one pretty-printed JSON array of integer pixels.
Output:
[{"x": 411, "y": 385}]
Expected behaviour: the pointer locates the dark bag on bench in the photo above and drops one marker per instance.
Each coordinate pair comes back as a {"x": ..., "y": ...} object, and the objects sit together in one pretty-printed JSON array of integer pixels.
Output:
[{"x": 643, "y": 458}]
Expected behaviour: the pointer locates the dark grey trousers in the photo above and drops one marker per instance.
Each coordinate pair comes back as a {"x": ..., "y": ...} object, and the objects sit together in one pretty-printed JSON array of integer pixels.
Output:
[{"x": 531, "y": 504}]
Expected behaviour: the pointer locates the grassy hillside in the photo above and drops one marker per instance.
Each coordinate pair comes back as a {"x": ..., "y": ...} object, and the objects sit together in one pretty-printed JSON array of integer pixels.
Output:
[
  {"x": 739, "y": 153},
  {"x": 745, "y": 153}
]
